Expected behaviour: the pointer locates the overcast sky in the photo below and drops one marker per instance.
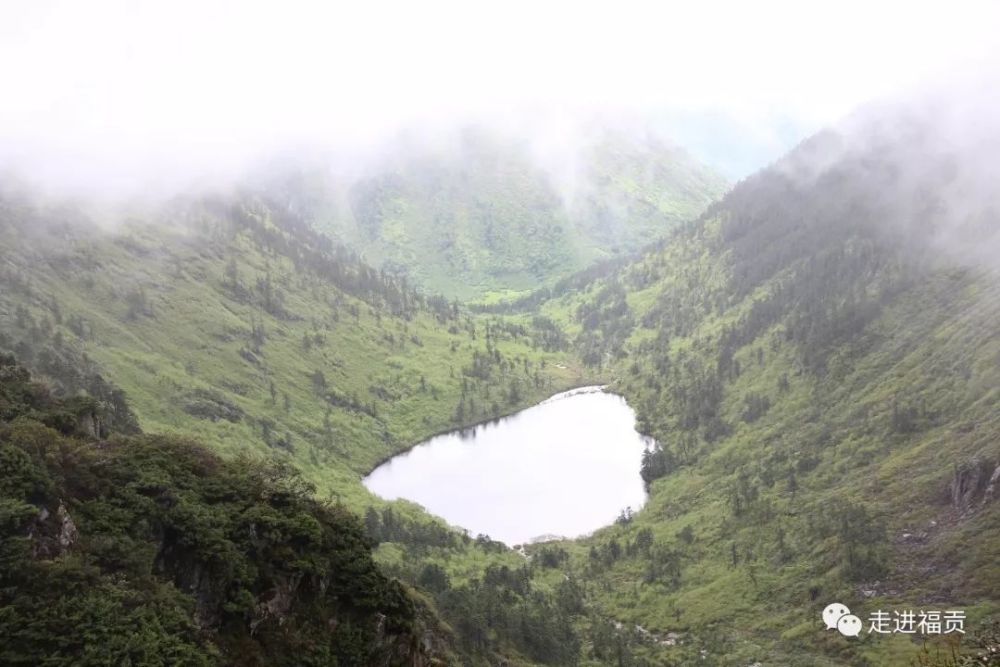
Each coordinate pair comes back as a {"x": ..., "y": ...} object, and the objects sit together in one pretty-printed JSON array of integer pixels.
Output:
[{"x": 103, "y": 88}]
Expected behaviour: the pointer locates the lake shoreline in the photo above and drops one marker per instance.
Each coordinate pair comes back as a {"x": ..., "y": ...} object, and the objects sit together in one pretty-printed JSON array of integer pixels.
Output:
[
  {"x": 549, "y": 471},
  {"x": 381, "y": 462}
]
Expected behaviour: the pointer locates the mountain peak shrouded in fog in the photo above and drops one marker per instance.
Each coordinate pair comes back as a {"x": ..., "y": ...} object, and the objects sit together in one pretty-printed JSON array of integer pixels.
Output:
[
  {"x": 925, "y": 161},
  {"x": 481, "y": 209}
]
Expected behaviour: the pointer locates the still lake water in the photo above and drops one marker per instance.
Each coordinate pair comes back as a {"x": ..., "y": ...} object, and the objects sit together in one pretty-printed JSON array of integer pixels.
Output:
[{"x": 565, "y": 467}]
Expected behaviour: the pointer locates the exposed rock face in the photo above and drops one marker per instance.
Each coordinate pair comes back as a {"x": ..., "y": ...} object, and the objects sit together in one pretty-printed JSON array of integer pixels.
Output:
[
  {"x": 89, "y": 424},
  {"x": 278, "y": 606},
  {"x": 67, "y": 529},
  {"x": 212, "y": 405},
  {"x": 991, "y": 488},
  {"x": 425, "y": 647},
  {"x": 192, "y": 577},
  {"x": 973, "y": 484},
  {"x": 50, "y": 537}
]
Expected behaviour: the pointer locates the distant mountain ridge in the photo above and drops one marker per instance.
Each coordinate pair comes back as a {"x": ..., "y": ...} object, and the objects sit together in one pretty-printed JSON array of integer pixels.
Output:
[{"x": 484, "y": 216}]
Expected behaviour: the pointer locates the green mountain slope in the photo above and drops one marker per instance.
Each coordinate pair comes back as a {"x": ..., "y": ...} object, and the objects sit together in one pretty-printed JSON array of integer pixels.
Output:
[
  {"x": 818, "y": 359},
  {"x": 481, "y": 218},
  {"x": 150, "y": 550},
  {"x": 235, "y": 324},
  {"x": 227, "y": 321}
]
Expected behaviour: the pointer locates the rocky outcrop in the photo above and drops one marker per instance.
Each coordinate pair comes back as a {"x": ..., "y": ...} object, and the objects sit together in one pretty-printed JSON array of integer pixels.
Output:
[
  {"x": 991, "y": 488},
  {"x": 193, "y": 577},
  {"x": 278, "y": 605},
  {"x": 427, "y": 645},
  {"x": 973, "y": 484},
  {"x": 67, "y": 529},
  {"x": 212, "y": 405},
  {"x": 52, "y": 535}
]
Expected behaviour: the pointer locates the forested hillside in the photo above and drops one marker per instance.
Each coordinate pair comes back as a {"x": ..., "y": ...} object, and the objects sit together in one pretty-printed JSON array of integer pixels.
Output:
[
  {"x": 818, "y": 358},
  {"x": 131, "y": 549},
  {"x": 481, "y": 216},
  {"x": 230, "y": 321},
  {"x": 234, "y": 321}
]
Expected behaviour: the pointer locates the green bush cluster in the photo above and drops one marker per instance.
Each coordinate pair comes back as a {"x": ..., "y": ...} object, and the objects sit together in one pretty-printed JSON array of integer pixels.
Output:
[{"x": 150, "y": 550}]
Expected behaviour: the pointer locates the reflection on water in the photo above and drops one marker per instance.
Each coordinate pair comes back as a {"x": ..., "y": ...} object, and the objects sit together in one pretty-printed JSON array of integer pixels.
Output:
[{"x": 566, "y": 466}]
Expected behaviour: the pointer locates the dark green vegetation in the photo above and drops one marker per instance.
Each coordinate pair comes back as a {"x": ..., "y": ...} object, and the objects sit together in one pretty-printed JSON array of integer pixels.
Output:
[
  {"x": 817, "y": 356},
  {"x": 481, "y": 219},
  {"x": 230, "y": 323},
  {"x": 150, "y": 550}
]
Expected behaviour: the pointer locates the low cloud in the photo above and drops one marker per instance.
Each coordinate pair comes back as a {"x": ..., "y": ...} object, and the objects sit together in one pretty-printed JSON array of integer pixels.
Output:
[{"x": 123, "y": 97}]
